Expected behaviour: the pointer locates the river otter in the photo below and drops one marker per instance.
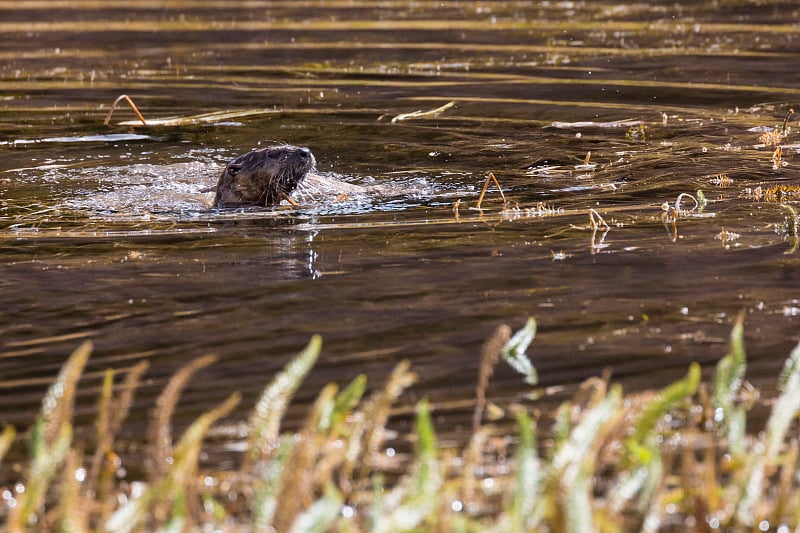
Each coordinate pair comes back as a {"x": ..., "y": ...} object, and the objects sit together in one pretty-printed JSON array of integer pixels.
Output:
[{"x": 263, "y": 177}]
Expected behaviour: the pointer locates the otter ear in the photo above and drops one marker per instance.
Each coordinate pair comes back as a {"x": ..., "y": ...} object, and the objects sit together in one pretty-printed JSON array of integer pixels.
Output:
[{"x": 233, "y": 169}]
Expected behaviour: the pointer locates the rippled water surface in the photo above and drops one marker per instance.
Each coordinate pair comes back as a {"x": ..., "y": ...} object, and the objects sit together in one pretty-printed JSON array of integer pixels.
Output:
[{"x": 105, "y": 234}]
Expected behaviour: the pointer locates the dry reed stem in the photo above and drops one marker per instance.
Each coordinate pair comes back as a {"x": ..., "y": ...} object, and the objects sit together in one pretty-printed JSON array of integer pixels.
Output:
[
  {"x": 489, "y": 357},
  {"x": 58, "y": 403},
  {"x": 489, "y": 178},
  {"x": 471, "y": 460},
  {"x": 375, "y": 413},
  {"x": 130, "y": 103},
  {"x": 160, "y": 429},
  {"x": 788, "y": 116},
  {"x": 596, "y": 221},
  {"x": 788, "y": 470},
  {"x": 456, "y": 213},
  {"x": 423, "y": 114},
  {"x": 296, "y": 487},
  {"x": 105, "y": 437},
  {"x": 125, "y": 398},
  {"x": 73, "y": 510},
  {"x": 776, "y": 158},
  {"x": 6, "y": 439},
  {"x": 111, "y": 413},
  {"x": 187, "y": 455}
]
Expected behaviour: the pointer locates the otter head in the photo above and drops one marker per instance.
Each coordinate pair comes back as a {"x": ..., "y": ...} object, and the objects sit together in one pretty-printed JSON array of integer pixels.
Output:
[{"x": 263, "y": 177}]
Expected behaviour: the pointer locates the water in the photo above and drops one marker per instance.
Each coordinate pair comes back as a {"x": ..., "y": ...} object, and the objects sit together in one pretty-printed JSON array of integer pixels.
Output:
[{"x": 104, "y": 234}]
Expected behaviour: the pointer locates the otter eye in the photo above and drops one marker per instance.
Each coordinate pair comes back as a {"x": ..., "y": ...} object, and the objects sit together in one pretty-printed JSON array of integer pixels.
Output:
[{"x": 234, "y": 169}]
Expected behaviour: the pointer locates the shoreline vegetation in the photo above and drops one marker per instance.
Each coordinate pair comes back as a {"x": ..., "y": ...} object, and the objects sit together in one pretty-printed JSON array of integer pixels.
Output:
[{"x": 677, "y": 459}]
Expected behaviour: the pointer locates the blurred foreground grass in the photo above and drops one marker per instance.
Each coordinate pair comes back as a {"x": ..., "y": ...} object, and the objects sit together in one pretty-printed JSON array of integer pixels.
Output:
[{"x": 678, "y": 459}]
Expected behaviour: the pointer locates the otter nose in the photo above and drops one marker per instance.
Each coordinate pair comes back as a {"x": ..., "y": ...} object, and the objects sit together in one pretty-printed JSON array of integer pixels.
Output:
[{"x": 304, "y": 152}]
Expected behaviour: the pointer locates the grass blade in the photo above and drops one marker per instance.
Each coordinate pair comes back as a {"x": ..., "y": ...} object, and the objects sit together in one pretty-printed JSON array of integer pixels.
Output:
[
  {"x": 489, "y": 356},
  {"x": 664, "y": 401},
  {"x": 783, "y": 412},
  {"x": 321, "y": 515},
  {"x": 728, "y": 381},
  {"x": 529, "y": 476},
  {"x": 51, "y": 437},
  {"x": 160, "y": 429},
  {"x": 416, "y": 498},
  {"x": 573, "y": 463},
  {"x": 58, "y": 403},
  {"x": 266, "y": 418},
  {"x": 6, "y": 439}
]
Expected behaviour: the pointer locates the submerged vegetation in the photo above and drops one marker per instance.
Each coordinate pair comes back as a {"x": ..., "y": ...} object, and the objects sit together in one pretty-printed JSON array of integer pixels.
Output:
[{"x": 679, "y": 458}]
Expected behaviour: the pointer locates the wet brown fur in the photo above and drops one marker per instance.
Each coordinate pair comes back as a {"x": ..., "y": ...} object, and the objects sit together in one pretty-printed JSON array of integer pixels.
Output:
[{"x": 263, "y": 177}]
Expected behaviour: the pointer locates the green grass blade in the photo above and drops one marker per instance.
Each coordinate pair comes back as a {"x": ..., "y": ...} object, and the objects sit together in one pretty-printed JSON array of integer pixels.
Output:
[
  {"x": 665, "y": 401},
  {"x": 573, "y": 463},
  {"x": 783, "y": 412},
  {"x": 347, "y": 400},
  {"x": 731, "y": 368},
  {"x": 127, "y": 517},
  {"x": 427, "y": 473},
  {"x": 786, "y": 406},
  {"x": 416, "y": 498},
  {"x": 728, "y": 381},
  {"x": 529, "y": 473}
]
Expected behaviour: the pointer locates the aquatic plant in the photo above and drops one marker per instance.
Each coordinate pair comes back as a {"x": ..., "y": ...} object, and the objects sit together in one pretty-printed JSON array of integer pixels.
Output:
[{"x": 674, "y": 459}]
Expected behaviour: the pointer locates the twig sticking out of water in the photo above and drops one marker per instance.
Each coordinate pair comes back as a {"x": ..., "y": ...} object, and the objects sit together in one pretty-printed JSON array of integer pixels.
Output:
[
  {"x": 671, "y": 213},
  {"x": 490, "y": 177},
  {"x": 789, "y": 115},
  {"x": 130, "y": 103},
  {"x": 792, "y": 229},
  {"x": 423, "y": 114},
  {"x": 456, "y": 206},
  {"x": 596, "y": 221},
  {"x": 776, "y": 158}
]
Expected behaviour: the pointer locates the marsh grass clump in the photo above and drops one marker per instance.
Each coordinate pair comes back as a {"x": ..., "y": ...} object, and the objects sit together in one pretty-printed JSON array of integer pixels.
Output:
[{"x": 677, "y": 459}]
